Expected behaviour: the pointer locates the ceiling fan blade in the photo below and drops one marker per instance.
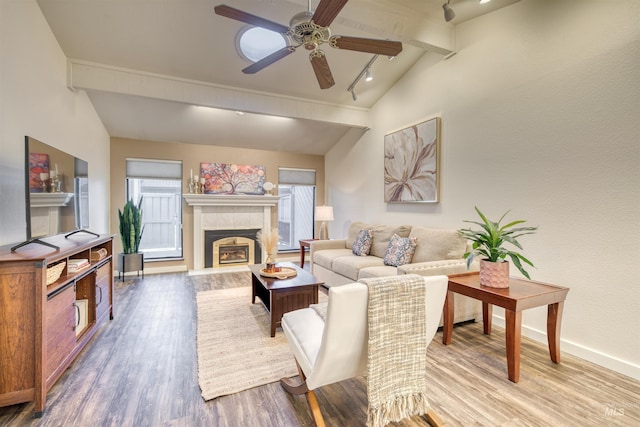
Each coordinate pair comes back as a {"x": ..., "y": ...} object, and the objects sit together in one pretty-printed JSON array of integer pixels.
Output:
[
  {"x": 380, "y": 47},
  {"x": 247, "y": 18},
  {"x": 321, "y": 68},
  {"x": 268, "y": 60},
  {"x": 327, "y": 11}
]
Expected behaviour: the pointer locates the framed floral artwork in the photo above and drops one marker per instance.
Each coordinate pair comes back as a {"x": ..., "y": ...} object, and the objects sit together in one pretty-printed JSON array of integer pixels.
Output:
[
  {"x": 38, "y": 165},
  {"x": 226, "y": 178},
  {"x": 411, "y": 163}
]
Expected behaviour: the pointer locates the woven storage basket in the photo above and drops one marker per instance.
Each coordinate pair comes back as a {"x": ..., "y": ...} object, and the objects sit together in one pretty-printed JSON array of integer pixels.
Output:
[{"x": 54, "y": 272}]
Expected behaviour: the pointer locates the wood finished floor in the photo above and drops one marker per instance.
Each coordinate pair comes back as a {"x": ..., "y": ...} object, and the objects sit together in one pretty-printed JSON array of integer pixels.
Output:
[{"x": 141, "y": 370}]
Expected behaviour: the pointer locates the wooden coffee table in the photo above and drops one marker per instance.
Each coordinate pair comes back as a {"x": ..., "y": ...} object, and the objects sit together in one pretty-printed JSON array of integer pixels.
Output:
[
  {"x": 520, "y": 295},
  {"x": 280, "y": 296}
]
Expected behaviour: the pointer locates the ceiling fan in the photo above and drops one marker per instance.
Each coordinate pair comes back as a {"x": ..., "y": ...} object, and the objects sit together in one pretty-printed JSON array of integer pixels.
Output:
[{"x": 311, "y": 29}]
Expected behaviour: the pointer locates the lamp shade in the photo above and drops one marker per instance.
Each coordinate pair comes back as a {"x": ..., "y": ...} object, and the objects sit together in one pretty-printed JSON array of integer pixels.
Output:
[{"x": 324, "y": 213}]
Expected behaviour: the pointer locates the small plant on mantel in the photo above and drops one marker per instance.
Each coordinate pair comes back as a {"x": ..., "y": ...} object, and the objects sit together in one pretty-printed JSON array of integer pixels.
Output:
[{"x": 489, "y": 241}]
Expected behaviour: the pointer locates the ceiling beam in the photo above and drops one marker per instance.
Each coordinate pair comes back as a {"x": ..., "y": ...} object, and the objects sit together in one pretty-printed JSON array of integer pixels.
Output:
[{"x": 92, "y": 76}]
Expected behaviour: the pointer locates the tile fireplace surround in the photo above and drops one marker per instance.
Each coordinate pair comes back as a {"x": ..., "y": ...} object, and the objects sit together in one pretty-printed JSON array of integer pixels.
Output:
[{"x": 226, "y": 212}]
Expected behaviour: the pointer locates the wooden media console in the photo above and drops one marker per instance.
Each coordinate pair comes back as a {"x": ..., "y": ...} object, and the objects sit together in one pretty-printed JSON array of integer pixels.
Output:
[{"x": 44, "y": 326}]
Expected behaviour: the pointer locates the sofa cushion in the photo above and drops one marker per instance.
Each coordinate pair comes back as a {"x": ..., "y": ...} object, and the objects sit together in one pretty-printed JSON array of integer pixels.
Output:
[
  {"x": 325, "y": 258},
  {"x": 382, "y": 236},
  {"x": 435, "y": 244},
  {"x": 353, "y": 231},
  {"x": 379, "y": 271},
  {"x": 362, "y": 244},
  {"x": 400, "y": 250},
  {"x": 348, "y": 266}
]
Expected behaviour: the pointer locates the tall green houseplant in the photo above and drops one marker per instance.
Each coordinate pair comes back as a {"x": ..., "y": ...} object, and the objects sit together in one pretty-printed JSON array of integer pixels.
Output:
[{"x": 131, "y": 226}]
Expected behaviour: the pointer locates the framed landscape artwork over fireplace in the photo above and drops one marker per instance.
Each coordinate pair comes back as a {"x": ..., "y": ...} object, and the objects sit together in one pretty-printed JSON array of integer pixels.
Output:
[
  {"x": 411, "y": 163},
  {"x": 226, "y": 178}
]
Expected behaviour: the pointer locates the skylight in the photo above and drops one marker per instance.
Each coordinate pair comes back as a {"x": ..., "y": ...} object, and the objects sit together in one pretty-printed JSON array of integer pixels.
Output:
[{"x": 254, "y": 43}]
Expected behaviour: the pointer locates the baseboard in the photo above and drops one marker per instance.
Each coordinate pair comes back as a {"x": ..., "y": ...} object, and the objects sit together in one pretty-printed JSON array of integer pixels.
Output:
[
  {"x": 607, "y": 361},
  {"x": 288, "y": 258},
  {"x": 219, "y": 270},
  {"x": 154, "y": 270}
]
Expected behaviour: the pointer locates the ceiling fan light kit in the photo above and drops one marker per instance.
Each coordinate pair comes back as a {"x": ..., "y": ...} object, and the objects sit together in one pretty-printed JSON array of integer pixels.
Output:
[{"x": 311, "y": 29}]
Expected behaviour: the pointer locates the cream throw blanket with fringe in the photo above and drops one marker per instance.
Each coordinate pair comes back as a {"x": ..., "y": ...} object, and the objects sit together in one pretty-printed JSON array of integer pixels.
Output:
[{"x": 396, "y": 368}]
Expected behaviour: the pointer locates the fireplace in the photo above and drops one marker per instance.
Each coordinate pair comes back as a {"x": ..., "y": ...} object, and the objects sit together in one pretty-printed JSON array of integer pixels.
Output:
[
  {"x": 226, "y": 248},
  {"x": 231, "y": 253},
  {"x": 216, "y": 212}
]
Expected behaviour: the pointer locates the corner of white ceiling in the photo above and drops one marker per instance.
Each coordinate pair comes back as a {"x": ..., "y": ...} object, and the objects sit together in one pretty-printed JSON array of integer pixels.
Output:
[{"x": 434, "y": 36}]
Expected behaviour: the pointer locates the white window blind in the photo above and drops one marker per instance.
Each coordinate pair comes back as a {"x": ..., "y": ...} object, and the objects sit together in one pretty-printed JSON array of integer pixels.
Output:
[
  {"x": 296, "y": 176},
  {"x": 143, "y": 168}
]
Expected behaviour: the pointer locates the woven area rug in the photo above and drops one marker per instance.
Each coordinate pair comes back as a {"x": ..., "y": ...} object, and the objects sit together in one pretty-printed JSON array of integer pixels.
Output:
[{"x": 235, "y": 351}]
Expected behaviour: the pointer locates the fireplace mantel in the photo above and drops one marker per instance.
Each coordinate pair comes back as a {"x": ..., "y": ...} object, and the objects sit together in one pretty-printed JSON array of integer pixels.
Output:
[
  {"x": 229, "y": 200},
  {"x": 45, "y": 200},
  {"x": 221, "y": 211}
]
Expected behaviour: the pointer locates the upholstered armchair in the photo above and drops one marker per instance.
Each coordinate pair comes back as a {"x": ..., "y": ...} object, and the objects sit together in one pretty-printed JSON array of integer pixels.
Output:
[{"x": 333, "y": 346}]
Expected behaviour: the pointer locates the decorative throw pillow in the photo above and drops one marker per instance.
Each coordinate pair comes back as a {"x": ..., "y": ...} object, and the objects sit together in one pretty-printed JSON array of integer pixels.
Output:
[
  {"x": 362, "y": 243},
  {"x": 400, "y": 250}
]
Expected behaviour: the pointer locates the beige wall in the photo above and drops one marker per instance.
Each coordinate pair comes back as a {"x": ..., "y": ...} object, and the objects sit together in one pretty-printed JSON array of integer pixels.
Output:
[
  {"x": 35, "y": 101},
  {"x": 539, "y": 111},
  {"x": 191, "y": 155}
]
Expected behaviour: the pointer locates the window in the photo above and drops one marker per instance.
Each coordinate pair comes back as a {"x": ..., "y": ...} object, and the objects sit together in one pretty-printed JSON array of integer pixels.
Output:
[
  {"x": 255, "y": 43},
  {"x": 297, "y": 191},
  {"x": 159, "y": 183}
]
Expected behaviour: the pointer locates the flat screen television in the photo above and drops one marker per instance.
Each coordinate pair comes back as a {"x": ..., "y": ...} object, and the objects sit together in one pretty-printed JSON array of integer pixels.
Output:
[{"x": 56, "y": 193}]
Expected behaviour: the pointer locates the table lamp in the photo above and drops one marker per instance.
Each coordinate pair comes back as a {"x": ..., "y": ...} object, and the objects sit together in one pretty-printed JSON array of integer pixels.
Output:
[{"x": 324, "y": 214}]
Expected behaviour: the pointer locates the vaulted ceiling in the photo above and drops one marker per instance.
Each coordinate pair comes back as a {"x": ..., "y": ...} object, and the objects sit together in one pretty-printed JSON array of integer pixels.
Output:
[{"x": 168, "y": 70}]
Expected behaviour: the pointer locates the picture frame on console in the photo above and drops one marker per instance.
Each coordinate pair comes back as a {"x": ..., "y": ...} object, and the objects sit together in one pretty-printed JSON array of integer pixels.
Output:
[{"x": 412, "y": 163}]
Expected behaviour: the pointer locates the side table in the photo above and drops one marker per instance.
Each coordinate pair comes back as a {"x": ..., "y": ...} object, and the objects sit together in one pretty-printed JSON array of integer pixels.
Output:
[
  {"x": 305, "y": 243},
  {"x": 519, "y": 296}
]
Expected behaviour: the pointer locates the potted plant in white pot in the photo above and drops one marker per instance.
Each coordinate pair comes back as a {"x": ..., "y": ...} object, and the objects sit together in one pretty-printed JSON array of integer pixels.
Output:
[
  {"x": 131, "y": 228},
  {"x": 489, "y": 241}
]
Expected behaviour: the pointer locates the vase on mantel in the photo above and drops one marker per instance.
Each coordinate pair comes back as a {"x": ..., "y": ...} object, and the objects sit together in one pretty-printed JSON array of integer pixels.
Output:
[{"x": 494, "y": 274}]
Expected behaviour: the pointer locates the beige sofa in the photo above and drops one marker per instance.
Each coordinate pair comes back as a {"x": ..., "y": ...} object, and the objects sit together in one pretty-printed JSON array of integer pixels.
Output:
[{"x": 438, "y": 252}]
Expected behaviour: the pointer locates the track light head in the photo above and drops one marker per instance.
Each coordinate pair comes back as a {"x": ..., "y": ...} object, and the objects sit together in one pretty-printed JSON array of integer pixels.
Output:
[
  {"x": 353, "y": 95},
  {"x": 368, "y": 76},
  {"x": 449, "y": 14}
]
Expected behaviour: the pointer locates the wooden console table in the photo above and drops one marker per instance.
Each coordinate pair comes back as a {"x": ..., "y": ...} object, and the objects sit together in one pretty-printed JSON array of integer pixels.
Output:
[
  {"x": 519, "y": 296},
  {"x": 44, "y": 324}
]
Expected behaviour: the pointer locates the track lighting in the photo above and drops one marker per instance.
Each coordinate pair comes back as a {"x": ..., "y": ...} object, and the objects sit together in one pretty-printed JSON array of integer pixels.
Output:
[
  {"x": 484, "y": 1},
  {"x": 366, "y": 73},
  {"x": 367, "y": 76},
  {"x": 449, "y": 14}
]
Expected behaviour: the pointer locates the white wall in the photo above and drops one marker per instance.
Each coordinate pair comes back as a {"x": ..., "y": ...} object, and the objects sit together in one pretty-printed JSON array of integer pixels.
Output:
[
  {"x": 34, "y": 101},
  {"x": 541, "y": 114}
]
